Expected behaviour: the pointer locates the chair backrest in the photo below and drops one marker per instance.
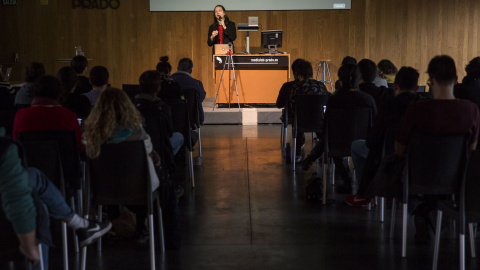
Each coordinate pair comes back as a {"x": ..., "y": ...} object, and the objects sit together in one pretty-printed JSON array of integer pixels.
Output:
[
  {"x": 309, "y": 112},
  {"x": 180, "y": 119},
  {"x": 120, "y": 175},
  {"x": 472, "y": 185},
  {"x": 389, "y": 139},
  {"x": 45, "y": 156},
  {"x": 345, "y": 126},
  {"x": 191, "y": 95},
  {"x": 132, "y": 90},
  {"x": 436, "y": 163},
  {"x": 67, "y": 145},
  {"x": 6, "y": 120}
]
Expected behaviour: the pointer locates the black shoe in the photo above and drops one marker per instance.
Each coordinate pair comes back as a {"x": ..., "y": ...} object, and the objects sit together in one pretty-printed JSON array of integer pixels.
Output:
[
  {"x": 94, "y": 231},
  {"x": 306, "y": 163}
]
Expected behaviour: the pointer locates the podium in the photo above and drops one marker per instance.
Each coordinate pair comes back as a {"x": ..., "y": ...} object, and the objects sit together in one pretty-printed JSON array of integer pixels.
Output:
[{"x": 259, "y": 77}]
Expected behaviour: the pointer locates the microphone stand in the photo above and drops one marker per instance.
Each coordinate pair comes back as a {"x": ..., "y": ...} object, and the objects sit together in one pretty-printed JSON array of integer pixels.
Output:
[{"x": 231, "y": 67}]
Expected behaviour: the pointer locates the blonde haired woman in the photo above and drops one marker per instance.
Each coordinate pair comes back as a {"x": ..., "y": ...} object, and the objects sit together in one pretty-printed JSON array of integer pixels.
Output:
[{"x": 114, "y": 119}]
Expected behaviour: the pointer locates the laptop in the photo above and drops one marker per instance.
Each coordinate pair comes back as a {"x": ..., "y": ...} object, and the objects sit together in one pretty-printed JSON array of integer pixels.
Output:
[
  {"x": 252, "y": 21},
  {"x": 221, "y": 49}
]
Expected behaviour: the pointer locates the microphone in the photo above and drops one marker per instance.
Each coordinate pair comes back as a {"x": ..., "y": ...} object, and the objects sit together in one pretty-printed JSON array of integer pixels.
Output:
[{"x": 220, "y": 18}]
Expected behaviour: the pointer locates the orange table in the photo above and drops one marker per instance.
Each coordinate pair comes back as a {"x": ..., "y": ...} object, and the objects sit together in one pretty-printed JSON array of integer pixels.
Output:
[{"x": 259, "y": 77}]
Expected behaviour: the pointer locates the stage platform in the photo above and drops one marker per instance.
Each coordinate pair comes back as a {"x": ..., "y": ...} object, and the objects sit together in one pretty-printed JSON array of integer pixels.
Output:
[{"x": 243, "y": 116}]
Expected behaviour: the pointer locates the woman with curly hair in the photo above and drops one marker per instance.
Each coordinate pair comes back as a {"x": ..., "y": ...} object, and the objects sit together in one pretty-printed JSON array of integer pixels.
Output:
[{"x": 115, "y": 119}]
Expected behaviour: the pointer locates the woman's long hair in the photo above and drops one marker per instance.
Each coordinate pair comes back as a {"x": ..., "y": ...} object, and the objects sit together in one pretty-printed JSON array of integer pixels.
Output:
[
  {"x": 215, "y": 22},
  {"x": 113, "y": 107},
  {"x": 349, "y": 75}
]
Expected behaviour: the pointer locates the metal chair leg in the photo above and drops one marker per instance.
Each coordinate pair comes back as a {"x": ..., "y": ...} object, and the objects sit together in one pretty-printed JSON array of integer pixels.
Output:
[
  {"x": 404, "y": 231},
  {"x": 472, "y": 239},
  {"x": 99, "y": 242},
  {"x": 152, "y": 242},
  {"x": 382, "y": 209},
  {"x": 392, "y": 219},
  {"x": 41, "y": 257},
  {"x": 294, "y": 152},
  {"x": 65, "y": 246},
  {"x": 438, "y": 229},
  {"x": 75, "y": 238},
  {"x": 192, "y": 176},
  {"x": 462, "y": 251},
  {"x": 199, "y": 143},
  {"x": 160, "y": 226}
]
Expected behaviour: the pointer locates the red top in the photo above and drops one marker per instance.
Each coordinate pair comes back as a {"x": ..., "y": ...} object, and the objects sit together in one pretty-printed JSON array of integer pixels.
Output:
[
  {"x": 220, "y": 33},
  {"x": 449, "y": 116},
  {"x": 46, "y": 114}
]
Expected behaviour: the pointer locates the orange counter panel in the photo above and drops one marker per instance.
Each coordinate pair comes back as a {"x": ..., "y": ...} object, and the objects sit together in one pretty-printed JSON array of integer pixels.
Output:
[{"x": 254, "y": 85}]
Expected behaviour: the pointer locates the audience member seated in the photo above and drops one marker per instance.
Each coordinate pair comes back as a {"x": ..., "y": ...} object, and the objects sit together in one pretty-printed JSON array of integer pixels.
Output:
[
  {"x": 305, "y": 86},
  {"x": 99, "y": 79},
  {"x": 169, "y": 88},
  {"x": 46, "y": 113},
  {"x": 17, "y": 183},
  {"x": 367, "y": 154},
  {"x": 25, "y": 95},
  {"x": 346, "y": 60},
  {"x": 442, "y": 115},
  {"x": 158, "y": 121},
  {"x": 114, "y": 119},
  {"x": 79, "y": 104},
  {"x": 286, "y": 90},
  {"x": 387, "y": 71},
  {"x": 184, "y": 78},
  {"x": 381, "y": 94},
  {"x": 347, "y": 97},
  {"x": 469, "y": 89},
  {"x": 80, "y": 64}
]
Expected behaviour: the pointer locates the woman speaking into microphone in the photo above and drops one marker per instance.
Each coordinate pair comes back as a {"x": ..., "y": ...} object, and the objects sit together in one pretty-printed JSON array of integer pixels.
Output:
[{"x": 222, "y": 31}]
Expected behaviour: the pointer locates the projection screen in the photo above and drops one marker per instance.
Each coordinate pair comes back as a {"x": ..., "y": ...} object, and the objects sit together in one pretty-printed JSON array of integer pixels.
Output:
[{"x": 230, "y": 5}]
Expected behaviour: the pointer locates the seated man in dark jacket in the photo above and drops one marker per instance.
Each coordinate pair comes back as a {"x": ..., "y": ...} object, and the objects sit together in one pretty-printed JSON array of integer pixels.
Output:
[
  {"x": 347, "y": 97},
  {"x": 158, "y": 125},
  {"x": 184, "y": 78},
  {"x": 158, "y": 121},
  {"x": 286, "y": 90},
  {"x": 305, "y": 85},
  {"x": 367, "y": 154},
  {"x": 381, "y": 94}
]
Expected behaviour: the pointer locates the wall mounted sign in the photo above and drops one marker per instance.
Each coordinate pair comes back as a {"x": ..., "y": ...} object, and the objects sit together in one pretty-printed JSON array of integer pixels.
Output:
[
  {"x": 96, "y": 4},
  {"x": 9, "y": 3}
]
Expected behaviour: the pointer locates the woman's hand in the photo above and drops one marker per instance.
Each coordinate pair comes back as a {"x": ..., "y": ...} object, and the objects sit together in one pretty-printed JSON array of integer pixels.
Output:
[{"x": 214, "y": 34}]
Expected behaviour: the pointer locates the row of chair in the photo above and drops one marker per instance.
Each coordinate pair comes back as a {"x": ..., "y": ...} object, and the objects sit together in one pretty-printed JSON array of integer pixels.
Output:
[
  {"x": 441, "y": 171},
  {"x": 185, "y": 118},
  {"x": 120, "y": 175}
]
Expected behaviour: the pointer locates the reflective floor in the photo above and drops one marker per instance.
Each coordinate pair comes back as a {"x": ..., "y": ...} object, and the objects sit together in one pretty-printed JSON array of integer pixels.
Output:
[{"x": 248, "y": 211}]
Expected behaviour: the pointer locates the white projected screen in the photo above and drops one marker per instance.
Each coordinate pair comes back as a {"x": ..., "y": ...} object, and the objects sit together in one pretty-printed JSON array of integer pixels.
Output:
[{"x": 230, "y": 5}]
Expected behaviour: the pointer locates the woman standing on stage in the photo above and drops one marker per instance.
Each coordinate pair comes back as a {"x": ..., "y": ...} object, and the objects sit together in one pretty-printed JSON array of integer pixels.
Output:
[{"x": 222, "y": 31}]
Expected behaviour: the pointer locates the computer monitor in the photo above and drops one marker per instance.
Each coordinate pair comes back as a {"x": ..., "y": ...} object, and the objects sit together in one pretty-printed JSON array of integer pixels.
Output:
[{"x": 272, "y": 37}]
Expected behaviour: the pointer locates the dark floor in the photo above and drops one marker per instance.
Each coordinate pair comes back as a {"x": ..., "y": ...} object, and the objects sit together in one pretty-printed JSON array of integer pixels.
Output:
[{"x": 248, "y": 211}]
